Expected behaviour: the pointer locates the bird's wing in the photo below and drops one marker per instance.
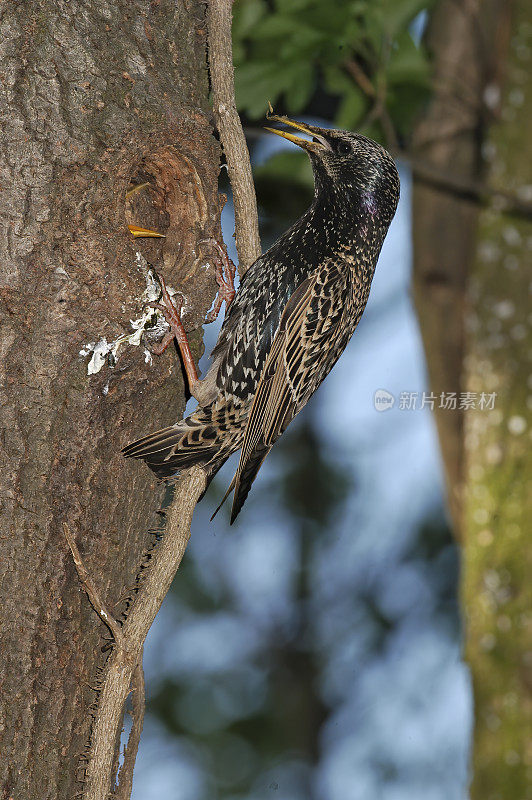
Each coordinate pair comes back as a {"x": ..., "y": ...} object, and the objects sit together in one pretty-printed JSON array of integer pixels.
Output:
[{"x": 303, "y": 351}]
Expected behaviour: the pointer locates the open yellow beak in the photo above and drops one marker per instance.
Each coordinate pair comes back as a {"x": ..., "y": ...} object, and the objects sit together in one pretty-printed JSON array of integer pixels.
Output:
[
  {"x": 138, "y": 232},
  {"x": 306, "y": 144}
]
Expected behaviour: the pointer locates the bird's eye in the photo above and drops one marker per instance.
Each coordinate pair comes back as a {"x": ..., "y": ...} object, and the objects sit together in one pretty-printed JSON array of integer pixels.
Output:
[{"x": 343, "y": 148}]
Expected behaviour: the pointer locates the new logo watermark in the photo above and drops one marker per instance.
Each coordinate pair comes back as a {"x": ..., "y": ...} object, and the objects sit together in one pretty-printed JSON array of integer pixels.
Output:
[{"x": 383, "y": 400}]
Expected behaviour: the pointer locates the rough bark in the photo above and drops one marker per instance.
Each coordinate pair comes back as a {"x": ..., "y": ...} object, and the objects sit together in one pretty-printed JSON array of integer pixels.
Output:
[
  {"x": 94, "y": 95},
  {"x": 471, "y": 287}
]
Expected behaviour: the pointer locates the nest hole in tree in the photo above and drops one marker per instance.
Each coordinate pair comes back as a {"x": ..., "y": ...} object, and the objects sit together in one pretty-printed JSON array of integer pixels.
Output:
[{"x": 169, "y": 199}]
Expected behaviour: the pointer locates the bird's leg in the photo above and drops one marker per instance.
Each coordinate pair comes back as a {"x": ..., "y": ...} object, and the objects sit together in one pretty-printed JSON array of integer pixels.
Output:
[
  {"x": 225, "y": 278},
  {"x": 171, "y": 310}
]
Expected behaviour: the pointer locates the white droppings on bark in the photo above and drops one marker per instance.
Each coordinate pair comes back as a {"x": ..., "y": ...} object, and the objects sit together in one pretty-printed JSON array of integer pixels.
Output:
[
  {"x": 151, "y": 319},
  {"x": 99, "y": 355}
]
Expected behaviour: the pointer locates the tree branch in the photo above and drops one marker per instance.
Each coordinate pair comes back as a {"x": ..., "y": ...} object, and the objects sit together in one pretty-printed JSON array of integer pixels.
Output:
[
  {"x": 467, "y": 189},
  {"x": 124, "y": 671},
  {"x": 359, "y": 76},
  {"x": 231, "y": 134},
  {"x": 91, "y": 590}
]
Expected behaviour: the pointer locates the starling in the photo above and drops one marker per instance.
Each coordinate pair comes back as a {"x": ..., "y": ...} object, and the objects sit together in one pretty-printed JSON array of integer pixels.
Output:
[{"x": 295, "y": 310}]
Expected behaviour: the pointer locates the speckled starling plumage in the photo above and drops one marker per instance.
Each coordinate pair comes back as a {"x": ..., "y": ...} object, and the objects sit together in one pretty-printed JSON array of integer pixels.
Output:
[{"x": 296, "y": 309}]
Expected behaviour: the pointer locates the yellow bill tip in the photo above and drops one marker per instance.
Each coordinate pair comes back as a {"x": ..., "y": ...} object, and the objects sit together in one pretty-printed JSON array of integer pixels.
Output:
[
  {"x": 290, "y": 136},
  {"x": 144, "y": 232},
  {"x": 313, "y": 145}
]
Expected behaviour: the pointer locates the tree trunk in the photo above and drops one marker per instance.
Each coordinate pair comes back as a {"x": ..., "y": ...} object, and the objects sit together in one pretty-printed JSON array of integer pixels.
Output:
[
  {"x": 444, "y": 225},
  {"x": 94, "y": 96},
  {"x": 471, "y": 292},
  {"x": 497, "y": 566}
]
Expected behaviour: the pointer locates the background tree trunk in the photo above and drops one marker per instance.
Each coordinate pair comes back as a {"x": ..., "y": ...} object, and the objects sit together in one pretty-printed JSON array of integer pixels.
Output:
[
  {"x": 496, "y": 585},
  {"x": 93, "y": 96},
  {"x": 471, "y": 287},
  {"x": 444, "y": 225}
]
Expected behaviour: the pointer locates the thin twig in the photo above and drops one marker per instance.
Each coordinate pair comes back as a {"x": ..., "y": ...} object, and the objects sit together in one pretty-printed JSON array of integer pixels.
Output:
[
  {"x": 91, "y": 590},
  {"x": 360, "y": 77},
  {"x": 379, "y": 110},
  {"x": 219, "y": 17}
]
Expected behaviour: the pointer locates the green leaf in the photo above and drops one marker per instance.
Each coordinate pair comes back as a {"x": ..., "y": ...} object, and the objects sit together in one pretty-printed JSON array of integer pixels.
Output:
[
  {"x": 289, "y": 164},
  {"x": 399, "y": 13},
  {"x": 353, "y": 107},
  {"x": 293, "y": 6},
  {"x": 275, "y": 26},
  {"x": 337, "y": 80},
  {"x": 372, "y": 130},
  {"x": 282, "y": 46},
  {"x": 404, "y": 104},
  {"x": 298, "y": 93},
  {"x": 407, "y": 62},
  {"x": 246, "y": 17},
  {"x": 255, "y": 84}
]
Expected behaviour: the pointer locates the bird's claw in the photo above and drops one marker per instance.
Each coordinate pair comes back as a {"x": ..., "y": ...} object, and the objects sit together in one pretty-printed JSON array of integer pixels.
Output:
[{"x": 225, "y": 271}]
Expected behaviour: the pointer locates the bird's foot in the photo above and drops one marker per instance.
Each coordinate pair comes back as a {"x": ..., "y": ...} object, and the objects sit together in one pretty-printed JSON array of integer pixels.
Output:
[
  {"x": 225, "y": 278},
  {"x": 171, "y": 308}
]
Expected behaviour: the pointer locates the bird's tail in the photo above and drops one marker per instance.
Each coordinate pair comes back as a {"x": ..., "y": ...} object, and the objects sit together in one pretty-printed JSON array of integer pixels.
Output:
[{"x": 194, "y": 440}]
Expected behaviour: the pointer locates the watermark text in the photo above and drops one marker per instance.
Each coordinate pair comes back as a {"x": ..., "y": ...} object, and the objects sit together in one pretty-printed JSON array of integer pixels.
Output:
[{"x": 383, "y": 400}]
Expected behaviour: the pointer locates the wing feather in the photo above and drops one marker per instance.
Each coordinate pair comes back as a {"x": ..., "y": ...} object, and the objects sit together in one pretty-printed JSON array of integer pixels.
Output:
[{"x": 301, "y": 355}]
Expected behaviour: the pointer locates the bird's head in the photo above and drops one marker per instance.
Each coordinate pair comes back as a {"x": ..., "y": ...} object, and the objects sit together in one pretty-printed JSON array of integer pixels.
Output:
[{"x": 350, "y": 165}]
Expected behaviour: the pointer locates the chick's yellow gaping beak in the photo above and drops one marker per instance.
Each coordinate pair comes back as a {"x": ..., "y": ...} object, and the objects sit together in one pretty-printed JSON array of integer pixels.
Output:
[
  {"x": 144, "y": 232},
  {"x": 306, "y": 144},
  {"x": 135, "y": 230}
]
